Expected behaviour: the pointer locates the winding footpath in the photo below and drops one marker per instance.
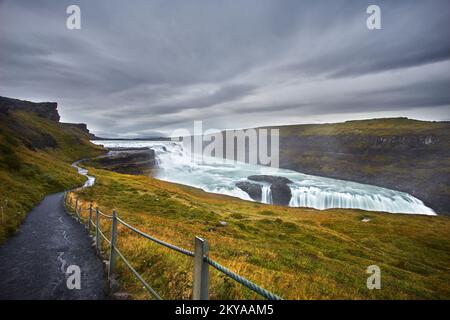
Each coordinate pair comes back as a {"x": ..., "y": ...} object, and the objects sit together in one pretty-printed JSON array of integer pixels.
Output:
[{"x": 33, "y": 263}]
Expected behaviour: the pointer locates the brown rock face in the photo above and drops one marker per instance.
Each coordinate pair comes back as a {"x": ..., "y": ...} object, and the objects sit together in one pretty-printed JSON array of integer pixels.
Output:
[
  {"x": 43, "y": 109},
  {"x": 128, "y": 161},
  {"x": 254, "y": 190},
  {"x": 269, "y": 179},
  {"x": 281, "y": 192},
  {"x": 48, "y": 110},
  {"x": 80, "y": 126}
]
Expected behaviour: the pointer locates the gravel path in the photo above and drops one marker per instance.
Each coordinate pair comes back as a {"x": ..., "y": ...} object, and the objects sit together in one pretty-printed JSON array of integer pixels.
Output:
[{"x": 34, "y": 261}]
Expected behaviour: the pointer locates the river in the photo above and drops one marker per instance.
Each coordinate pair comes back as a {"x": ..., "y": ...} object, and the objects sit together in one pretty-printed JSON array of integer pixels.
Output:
[{"x": 220, "y": 176}]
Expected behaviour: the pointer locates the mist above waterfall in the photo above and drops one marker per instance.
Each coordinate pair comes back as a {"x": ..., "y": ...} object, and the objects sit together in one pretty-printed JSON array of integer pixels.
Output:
[{"x": 221, "y": 175}]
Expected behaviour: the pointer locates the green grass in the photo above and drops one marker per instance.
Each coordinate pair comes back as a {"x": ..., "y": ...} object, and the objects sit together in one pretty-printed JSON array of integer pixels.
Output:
[
  {"x": 35, "y": 158},
  {"x": 294, "y": 252},
  {"x": 374, "y": 127}
]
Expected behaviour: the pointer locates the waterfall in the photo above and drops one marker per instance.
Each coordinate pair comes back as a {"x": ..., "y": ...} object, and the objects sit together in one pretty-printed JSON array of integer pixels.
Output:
[
  {"x": 266, "y": 196},
  {"x": 220, "y": 176},
  {"x": 385, "y": 200}
]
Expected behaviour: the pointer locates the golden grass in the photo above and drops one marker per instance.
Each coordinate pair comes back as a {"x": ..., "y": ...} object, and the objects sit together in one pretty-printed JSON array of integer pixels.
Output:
[{"x": 294, "y": 252}]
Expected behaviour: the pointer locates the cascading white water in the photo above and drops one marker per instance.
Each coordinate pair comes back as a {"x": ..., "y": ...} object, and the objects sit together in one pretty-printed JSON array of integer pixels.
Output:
[
  {"x": 220, "y": 176},
  {"x": 266, "y": 196},
  {"x": 383, "y": 200}
]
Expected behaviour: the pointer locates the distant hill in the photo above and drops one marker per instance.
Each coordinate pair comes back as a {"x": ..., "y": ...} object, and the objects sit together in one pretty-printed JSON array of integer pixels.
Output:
[
  {"x": 398, "y": 153},
  {"x": 133, "y": 139},
  {"x": 36, "y": 152}
]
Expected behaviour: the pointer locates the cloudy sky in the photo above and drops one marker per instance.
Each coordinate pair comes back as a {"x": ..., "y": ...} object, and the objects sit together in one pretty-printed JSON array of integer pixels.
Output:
[{"x": 139, "y": 67}]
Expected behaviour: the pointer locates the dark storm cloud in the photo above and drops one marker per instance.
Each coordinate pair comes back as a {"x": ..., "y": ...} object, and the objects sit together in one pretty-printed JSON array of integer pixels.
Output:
[
  {"x": 136, "y": 67},
  {"x": 210, "y": 99}
]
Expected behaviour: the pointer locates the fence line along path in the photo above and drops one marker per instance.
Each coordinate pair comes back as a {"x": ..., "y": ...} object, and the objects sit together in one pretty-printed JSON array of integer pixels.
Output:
[{"x": 202, "y": 261}]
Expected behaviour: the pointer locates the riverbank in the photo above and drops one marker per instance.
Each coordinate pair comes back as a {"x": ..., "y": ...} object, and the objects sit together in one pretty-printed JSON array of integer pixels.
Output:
[{"x": 235, "y": 178}]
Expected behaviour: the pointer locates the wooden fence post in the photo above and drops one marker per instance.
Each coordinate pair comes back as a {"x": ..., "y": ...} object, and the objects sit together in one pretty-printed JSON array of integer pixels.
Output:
[
  {"x": 112, "y": 254},
  {"x": 201, "y": 272},
  {"x": 97, "y": 233},
  {"x": 90, "y": 218}
]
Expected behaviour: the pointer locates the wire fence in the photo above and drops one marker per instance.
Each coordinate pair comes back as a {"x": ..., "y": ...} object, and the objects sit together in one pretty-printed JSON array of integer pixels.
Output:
[{"x": 201, "y": 253}]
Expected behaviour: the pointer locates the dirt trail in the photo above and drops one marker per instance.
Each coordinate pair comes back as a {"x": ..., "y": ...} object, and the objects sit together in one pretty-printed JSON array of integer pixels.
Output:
[{"x": 34, "y": 261}]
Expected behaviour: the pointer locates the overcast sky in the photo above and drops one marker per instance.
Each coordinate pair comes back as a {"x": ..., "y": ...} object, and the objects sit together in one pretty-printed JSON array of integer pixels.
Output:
[{"x": 139, "y": 67}]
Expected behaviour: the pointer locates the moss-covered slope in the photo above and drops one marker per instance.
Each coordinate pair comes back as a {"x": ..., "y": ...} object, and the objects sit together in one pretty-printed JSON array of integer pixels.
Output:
[{"x": 36, "y": 153}]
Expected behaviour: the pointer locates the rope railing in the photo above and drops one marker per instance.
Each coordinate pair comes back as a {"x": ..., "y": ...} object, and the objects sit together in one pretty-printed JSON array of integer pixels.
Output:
[
  {"x": 103, "y": 236},
  {"x": 245, "y": 282},
  {"x": 105, "y": 215},
  {"x": 200, "y": 255},
  {"x": 146, "y": 285},
  {"x": 161, "y": 242}
]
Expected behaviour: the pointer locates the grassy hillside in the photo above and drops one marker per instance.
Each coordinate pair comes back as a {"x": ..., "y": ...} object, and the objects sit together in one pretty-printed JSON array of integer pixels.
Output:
[
  {"x": 294, "y": 252},
  {"x": 35, "y": 158},
  {"x": 371, "y": 127}
]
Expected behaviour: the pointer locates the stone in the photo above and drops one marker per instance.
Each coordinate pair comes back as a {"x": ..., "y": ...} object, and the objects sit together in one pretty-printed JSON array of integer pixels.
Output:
[
  {"x": 281, "y": 193},
  {"x": 269, "y": 179},
  {"x": 121, "y": 296},
  {"x": 254, "y": 190}
]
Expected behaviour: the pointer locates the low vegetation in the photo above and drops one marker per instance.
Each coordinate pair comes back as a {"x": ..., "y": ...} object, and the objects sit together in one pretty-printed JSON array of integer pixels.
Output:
[
  {"x": 35, "y": 158},
  {"x": 294, "y": 252},
  {"x": 383, "y": 127}
]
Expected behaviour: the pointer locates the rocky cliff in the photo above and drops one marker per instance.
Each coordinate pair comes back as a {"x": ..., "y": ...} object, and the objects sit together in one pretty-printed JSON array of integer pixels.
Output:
[
  {"x": 401, "y": 154},
  {"x": 43, "y": 109},
  {"x": 397, "y": 153},
  {"x": 48, "y": 110},
  {"x": 81, "y": 126},
  {"x": 139, "y": 161}
]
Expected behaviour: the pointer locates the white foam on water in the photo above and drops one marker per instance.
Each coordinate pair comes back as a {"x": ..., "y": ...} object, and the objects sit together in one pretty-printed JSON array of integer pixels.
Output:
[
  {"x": 266, "y": 196},
  {"x": 220, "y": 176}
]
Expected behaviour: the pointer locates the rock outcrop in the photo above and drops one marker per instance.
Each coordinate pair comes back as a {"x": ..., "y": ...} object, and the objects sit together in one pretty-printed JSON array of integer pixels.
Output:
[
  {"x": 80, "y": 126},
  {"x": 47, "y": 110},
  {"x": 254, "y": 190},
  {"x": 281, "y": 193},
  {"x": 269, "y": 179},
  {"x": 128, "y": 161},
  {"x": 280, "y": 190}
]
